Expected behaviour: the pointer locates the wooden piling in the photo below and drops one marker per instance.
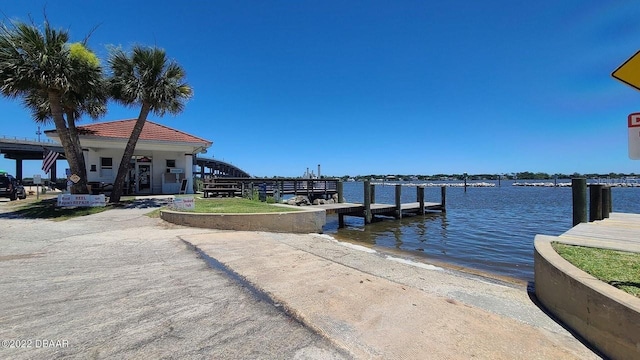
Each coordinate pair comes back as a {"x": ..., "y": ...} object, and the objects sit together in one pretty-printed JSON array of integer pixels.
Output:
[
  {"x": 595, "y": 202},
  {"x": 420, "y": 198},
  {"x": 606, "y": 201},
  {"x": 443, "y": 198},
  {"x": 340, "y": 189},
  {"x": 398, "y": 201},
  {"x": 579, "y": 196},
  {"x": 367, "y": 202},
  {"x": 373, "y": 193}
]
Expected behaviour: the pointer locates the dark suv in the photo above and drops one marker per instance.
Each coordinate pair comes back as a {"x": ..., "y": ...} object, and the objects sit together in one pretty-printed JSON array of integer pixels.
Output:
[{"x": 8, "y": 186}]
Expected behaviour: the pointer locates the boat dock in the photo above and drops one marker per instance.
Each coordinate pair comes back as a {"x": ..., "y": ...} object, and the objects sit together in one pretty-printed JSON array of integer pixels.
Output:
[
  {"x": 327, "y": 189},
  {"x": 369, "y": 209}
]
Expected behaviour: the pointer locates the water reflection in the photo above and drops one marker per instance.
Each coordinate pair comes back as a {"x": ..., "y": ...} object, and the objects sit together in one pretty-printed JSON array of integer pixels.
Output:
[
  {"x": 488, "y": 229},
  {"x": 403, "y": 234}
]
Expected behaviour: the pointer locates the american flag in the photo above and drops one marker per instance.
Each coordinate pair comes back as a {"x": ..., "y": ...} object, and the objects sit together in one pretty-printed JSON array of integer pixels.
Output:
[{"x": 49, "y": 158}]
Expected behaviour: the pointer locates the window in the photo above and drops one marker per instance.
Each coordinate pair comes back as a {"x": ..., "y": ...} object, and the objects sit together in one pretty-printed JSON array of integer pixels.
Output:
[{"x": 106, "y": 167}]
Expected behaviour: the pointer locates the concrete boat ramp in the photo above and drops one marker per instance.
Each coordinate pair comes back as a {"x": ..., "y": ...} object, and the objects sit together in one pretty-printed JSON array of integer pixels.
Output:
[
  {"x": 121, "y": 285},
  {"x": 379, "y": 306}
]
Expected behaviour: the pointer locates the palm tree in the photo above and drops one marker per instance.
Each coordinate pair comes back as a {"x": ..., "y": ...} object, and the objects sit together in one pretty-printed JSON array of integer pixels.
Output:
[
  {"x": 57, "y": 81},
  {"x": 144, "y": 78}
]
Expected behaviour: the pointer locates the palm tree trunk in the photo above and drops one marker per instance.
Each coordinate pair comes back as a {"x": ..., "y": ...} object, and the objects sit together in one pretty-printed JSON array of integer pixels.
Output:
[
  {"x": 67, "y": 144},
  {"x": 123, "y": 169},
  {"x": 75, "y": 141}
]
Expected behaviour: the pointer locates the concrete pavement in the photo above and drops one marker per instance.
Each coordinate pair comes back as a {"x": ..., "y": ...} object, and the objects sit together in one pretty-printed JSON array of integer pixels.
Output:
[{"x": 119, "y": 284}]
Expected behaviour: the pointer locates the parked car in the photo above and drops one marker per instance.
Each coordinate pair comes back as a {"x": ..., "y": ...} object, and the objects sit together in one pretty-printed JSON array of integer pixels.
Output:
[
  {"x": 8, "y": 186},
  {"x": 21, "y": 193}
]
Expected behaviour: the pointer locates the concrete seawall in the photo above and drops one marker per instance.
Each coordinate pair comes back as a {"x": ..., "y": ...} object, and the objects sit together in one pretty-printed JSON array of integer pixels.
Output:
[
  {"x": 606, "y": 317},
  {"x": 301, "y": 221}
]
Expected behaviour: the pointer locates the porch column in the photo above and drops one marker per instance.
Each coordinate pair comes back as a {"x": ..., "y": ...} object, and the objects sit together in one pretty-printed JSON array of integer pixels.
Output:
[{"x": 188, "y": 172}]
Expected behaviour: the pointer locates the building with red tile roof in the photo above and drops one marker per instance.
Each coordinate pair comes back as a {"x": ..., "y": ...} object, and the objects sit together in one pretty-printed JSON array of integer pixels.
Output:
[{"x": 163, "y": 159}]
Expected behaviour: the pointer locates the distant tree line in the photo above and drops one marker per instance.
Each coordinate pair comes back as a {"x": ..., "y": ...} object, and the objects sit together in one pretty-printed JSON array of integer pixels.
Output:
[{"x": 525, "y": 175}]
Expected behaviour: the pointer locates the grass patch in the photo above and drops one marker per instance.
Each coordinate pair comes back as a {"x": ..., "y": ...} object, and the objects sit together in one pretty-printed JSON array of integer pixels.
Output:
[
  {"x": 235, "y": 205},
  {"x": 617, "y": 268},
  {"x": 47, "y": 209}
]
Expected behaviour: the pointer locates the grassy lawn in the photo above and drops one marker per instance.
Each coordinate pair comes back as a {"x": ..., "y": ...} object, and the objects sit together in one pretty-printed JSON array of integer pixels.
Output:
[
  {"x": 235, "y": 205},
  {"x": 617, "y": 268},
  {"x": 45, "y": 208}
]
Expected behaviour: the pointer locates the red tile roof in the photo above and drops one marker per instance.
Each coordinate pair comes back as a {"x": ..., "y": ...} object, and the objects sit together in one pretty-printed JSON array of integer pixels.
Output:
[{"x": 151, "y": 131}]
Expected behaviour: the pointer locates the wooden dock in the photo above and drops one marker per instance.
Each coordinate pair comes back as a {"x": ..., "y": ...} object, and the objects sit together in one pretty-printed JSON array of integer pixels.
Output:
[
  {"x": 619, "y": 231},
  {"x": 370, "y": 209},
  {"x": 325, "y": 188}
]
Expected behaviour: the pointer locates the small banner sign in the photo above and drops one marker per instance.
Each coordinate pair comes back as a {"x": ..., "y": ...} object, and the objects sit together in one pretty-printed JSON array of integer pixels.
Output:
[
  {"x": 75, "y": 178},
  {"x": 633, "y": 122},
  {"x": 69, "y": 200},
  {"x": 184, "y": 203}
]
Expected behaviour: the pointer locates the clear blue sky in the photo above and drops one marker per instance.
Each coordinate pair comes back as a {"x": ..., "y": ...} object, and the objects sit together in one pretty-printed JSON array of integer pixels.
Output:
[{"x": 383, "y": 87}]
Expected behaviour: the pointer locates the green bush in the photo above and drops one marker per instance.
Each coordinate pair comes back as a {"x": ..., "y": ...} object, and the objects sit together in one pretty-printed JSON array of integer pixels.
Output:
[{"x": 198, "y": 185}]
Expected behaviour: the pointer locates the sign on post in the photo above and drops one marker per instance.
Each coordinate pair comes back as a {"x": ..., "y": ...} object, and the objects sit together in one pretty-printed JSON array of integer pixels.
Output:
[
  {"x": 634, "y": 136},
  {"x": 629, "y": 72},
  {"x": 37, "y": 180}
]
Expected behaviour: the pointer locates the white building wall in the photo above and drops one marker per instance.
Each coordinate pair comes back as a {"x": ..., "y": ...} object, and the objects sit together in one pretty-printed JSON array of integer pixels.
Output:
[{"x": 159, "y": 166}]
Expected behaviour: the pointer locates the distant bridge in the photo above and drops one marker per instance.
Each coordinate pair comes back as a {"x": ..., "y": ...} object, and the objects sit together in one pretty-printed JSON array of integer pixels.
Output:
[
  {"x": 216, "y": 168},
  {"x": 25, "y": 149}
]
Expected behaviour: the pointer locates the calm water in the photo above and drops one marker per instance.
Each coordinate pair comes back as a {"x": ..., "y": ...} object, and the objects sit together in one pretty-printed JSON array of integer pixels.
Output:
[{"x": 488, "y": 229}]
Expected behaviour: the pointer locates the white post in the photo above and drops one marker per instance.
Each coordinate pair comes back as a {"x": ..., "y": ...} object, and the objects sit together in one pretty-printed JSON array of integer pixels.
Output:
[{"x": 188, "y": 172}]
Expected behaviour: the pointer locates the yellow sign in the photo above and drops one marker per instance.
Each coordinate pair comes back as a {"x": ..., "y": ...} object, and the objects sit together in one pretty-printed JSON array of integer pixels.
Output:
[{"x": 629, "y": 72}]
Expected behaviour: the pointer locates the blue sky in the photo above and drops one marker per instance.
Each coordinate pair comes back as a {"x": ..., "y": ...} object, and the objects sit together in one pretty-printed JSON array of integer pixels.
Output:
[{"x": 379, "y": 87}]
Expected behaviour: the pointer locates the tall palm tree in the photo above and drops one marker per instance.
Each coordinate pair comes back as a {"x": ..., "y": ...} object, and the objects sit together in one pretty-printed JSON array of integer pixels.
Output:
[
  {"x": 145, "y": 78},
  {"x": 57, "y": 81}
]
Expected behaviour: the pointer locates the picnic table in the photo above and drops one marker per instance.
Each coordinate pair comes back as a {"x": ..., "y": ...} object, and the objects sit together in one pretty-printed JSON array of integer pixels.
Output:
[{"x": 215, "y": 187}]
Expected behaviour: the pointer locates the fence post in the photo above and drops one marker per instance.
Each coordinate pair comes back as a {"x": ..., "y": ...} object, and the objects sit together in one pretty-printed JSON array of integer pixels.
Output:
[
  {"x": 579, "y": 196},
  {"x": 595, "y": 202}
]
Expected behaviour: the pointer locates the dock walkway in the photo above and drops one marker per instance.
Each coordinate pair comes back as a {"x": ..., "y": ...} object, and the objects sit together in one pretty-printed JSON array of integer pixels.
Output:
[
  {"x": 376, "y": 209},
  {"x": 618, "y": 232}
]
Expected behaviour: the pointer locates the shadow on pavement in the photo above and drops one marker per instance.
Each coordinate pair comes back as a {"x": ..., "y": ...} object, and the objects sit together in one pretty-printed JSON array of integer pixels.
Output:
[{"x": 147, "y": 203}]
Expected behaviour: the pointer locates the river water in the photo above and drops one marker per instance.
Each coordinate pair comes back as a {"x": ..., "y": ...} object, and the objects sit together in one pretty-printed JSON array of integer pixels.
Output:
[{"x": 488, "y": 229}]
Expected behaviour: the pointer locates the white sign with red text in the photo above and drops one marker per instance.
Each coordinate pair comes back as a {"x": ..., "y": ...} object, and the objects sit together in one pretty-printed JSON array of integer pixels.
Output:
[
  {"x": 69, "y": 200},
  {"x": 634, "y": 136},
  {"x": 184, "y": 203}
]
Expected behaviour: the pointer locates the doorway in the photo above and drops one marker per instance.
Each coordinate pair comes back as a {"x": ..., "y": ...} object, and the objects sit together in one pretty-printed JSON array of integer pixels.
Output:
[{"x": 144, "y": 180}]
